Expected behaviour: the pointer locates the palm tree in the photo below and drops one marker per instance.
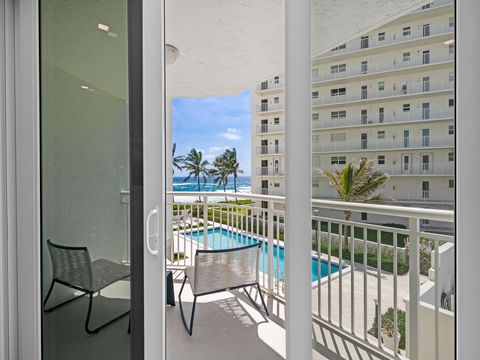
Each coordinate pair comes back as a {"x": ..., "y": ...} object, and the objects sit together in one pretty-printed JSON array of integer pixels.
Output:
[
  {"x": 177, "y": 161},
  {"x": 356, "y": 182},
  {"x": 220, "y": 173},
  {"x": 232, "y": 165},
  {"x": 196, "y": 167}
]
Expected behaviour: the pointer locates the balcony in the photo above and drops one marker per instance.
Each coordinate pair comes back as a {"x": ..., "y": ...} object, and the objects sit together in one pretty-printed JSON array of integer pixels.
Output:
[
  {"x": 402, "y": 91},
  {"x": 385, "y": 119},
  {"x": 269, "y": 85},
  {"x": 391, "y": 39},
  {"x": 431, "y": 169},
  {"x": 412, "y": 142},
  {"x": 265, "y": 108},
  {"x": 270, "y": 150},
  {"x": 346, "y": 294},
  {"x": 272, "y": 191},
  {"x": 270, "y": 128},
  {"x": 269, "y": 171},
  {"x": 379, "y": 69}
]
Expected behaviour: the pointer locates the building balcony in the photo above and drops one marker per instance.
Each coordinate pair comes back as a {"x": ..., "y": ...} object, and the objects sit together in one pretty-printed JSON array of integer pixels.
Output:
[
  {"x": 269, "y": 171},
  {"x": 269, "y": 128},
  {"x": 270, "y": 150},
  {"x": 436, "y": 32},
  {"x": 269, "y": 85},
  {"x": 412, "y": 142},
  {"x": 272, "y": 191},
  {"x": 428, "y": 169},
  {"x": 265, "y": 108},
  {"x": 346, "y": 291},
  {"x": 395, "y": 65},
  {"x": 381, "y": 119},
  {"x": 401, "y": 91}
]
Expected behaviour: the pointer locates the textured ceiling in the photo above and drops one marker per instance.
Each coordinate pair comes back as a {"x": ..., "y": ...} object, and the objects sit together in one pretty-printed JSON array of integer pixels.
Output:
[{"x": 226, "y": 46}]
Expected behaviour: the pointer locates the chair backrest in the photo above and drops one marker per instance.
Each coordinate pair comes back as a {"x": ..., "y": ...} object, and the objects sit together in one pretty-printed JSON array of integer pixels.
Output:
[
  {"x": 71, "y": 265},
  {"x": 223, "y": 269}
]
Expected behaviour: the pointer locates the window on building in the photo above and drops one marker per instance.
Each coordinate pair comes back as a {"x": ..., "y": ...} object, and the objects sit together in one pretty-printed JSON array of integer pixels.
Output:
[
  {"x": 364, "y": 216},
  {"x": 451, "y": 76},
  {"x": 381, "y": 36},
  {"x": 315, "y": 184},
  {"x": 276, "y": 79},
  {"x": 451, "y": 102},
  {"x": 338, "y": 68},
  {"x": 451, "y": 156},
  {"x": 315, "y": 116},
  {"x": 428, "y": 6},
  {"x": 406, "y": 56},
  {"x": 276, "y": 100},
  {"x": 364, "y": 42},
  {"x": 406, "y": 31},
  {"x": 338, "y": 137},
  {"x": 340, "y": 47},
  {"x": 315, "y": 73},
  {"x": 406, "y": 107},
  {"x": 276, "y": 121},
  {"x": 341, "y": 114},
  {"x": 315, "y": 139},
  {"x": 338, "y": 92},
  {"x": 381, "y": 134},
  {"x": 451, "y": 21},
  {"x": 338, "y": 160},
  {"x": 381, "y": 85},
  {"x": 451, "y": 130},
  {"x": 276, "y": 184},
  {"x": 451, "y": 183},
  {"x": 314, "y": 94},
  {"x": 381, "y": 160}
]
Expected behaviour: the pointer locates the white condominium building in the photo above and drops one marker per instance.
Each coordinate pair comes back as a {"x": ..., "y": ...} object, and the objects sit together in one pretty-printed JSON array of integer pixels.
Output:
[{"x": 387, "y": 95}]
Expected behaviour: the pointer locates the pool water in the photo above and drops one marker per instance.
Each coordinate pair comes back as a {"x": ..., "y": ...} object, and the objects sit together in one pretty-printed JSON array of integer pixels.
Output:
[{"x": 220, "y": 238}]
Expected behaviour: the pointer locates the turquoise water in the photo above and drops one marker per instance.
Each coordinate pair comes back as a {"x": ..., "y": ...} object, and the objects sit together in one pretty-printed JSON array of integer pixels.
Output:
[
  {"x": 244, "y": 185},
  {"x": 230, "y": 239}
]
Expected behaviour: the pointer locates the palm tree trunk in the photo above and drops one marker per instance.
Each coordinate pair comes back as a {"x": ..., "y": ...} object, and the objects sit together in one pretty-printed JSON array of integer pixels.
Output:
[
  {"x": 198, "y": 183},
  {"x": 225, "y": 191},
  {"x": 235, "y": 186}
]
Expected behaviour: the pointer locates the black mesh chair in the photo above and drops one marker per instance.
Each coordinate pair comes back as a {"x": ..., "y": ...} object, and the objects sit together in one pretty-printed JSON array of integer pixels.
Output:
[{"x": 72, "y": 267}]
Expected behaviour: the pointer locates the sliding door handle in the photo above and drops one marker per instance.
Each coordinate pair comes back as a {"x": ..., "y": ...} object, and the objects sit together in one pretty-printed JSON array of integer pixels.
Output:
[{"x": 153, "y": 236}]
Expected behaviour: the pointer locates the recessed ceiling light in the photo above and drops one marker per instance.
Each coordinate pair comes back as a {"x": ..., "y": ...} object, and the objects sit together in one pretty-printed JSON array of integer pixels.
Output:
[
  {"x": 103, "y": 27},
  {"x": 85, "y": 87},
  {"x": 448, "y": 42},
  {"x": 171, "y": 54}
]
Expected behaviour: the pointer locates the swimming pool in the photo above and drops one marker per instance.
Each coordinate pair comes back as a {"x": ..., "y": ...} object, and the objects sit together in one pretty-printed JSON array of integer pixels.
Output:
[{"x": 221, "y": 238}]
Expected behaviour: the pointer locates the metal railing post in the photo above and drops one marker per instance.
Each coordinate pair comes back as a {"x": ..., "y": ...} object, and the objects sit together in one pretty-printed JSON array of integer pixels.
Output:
[
  {"x": 414, "y": 288},
  {"x": 270, "y": 247},
  {"x": 205, "y": 222}
]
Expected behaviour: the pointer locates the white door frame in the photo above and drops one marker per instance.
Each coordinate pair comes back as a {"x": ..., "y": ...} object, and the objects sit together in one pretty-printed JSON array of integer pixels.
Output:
[{"x": 27, "y": 159}]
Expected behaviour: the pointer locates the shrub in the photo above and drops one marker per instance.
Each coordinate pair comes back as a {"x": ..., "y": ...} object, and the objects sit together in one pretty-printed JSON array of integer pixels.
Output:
[
  {"x": 387, "y": 324},
  {"x": 425, "y": 250}
]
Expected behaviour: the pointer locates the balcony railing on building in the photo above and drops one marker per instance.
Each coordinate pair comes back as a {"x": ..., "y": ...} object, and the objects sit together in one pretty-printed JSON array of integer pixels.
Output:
[
  {"x": 270, "y": 149},
  {"x": 359, "y": 268},
  {"x": 397, "y": 37},
  {"x": 269, "y": 128},
  {"x": 386, "y": 144},
  {"x": 394, "y": 65},
  {"x": 269, "y": 171},
  {"x": 265, "y": 107},
  {"x": 385, "y": 118},
  {"x": 270, "y": 85},
  {"x": 353, "y": 95}
]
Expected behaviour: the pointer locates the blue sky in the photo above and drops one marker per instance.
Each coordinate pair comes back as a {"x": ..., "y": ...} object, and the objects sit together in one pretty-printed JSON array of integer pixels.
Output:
[{"x": 212, "y": 124}]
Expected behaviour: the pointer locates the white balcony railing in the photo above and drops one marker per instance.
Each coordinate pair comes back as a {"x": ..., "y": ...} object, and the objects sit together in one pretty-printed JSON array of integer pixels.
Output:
[
  {"x": 346, "y": 297},
  {"x": 386, "y": 144},
  {"x": 401, "y": 90},
  {"x": 270, "y": 85},
  {"x": 269, "y": 171},
  {"x": 431, "y": 168},
  {"x": 391, "y": 39},
  {"x": 270, "y": 149},
  {"x": 272, "y": 191},
  {"x": 270, "y": 107},
  {"x": 395, "y": 64},
  {"x": 385, "y": 118},
  {"x": 269, "y": 128}
]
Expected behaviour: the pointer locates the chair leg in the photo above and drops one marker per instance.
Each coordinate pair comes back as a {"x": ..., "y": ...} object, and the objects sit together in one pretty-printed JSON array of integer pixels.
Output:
[
  {"x": 58, "y": 305},
  {"x": 89, "y": 315},
  {"x": 189, "y": 330},
  {"x": 263, "y": 301}
]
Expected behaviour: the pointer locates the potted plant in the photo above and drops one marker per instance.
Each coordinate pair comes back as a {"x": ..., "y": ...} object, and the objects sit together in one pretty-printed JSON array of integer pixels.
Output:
[{"x": 388, "y": 331}]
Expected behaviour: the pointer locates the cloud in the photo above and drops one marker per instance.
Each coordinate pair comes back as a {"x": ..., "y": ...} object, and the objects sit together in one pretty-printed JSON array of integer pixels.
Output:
[{"x": 232, "y": 134}]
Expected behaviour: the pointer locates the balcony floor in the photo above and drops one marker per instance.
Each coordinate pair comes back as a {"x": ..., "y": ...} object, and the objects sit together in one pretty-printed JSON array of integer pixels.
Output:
[{"x": 228, "y": 326}]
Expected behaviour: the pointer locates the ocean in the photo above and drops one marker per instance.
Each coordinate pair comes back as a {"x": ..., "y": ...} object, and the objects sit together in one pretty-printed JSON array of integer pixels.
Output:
[{"x": 244, "y": 185}]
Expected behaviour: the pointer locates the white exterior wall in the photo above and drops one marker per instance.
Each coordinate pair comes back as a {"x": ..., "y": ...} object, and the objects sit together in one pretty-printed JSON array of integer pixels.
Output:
[{"x": 386, "y": 64}]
